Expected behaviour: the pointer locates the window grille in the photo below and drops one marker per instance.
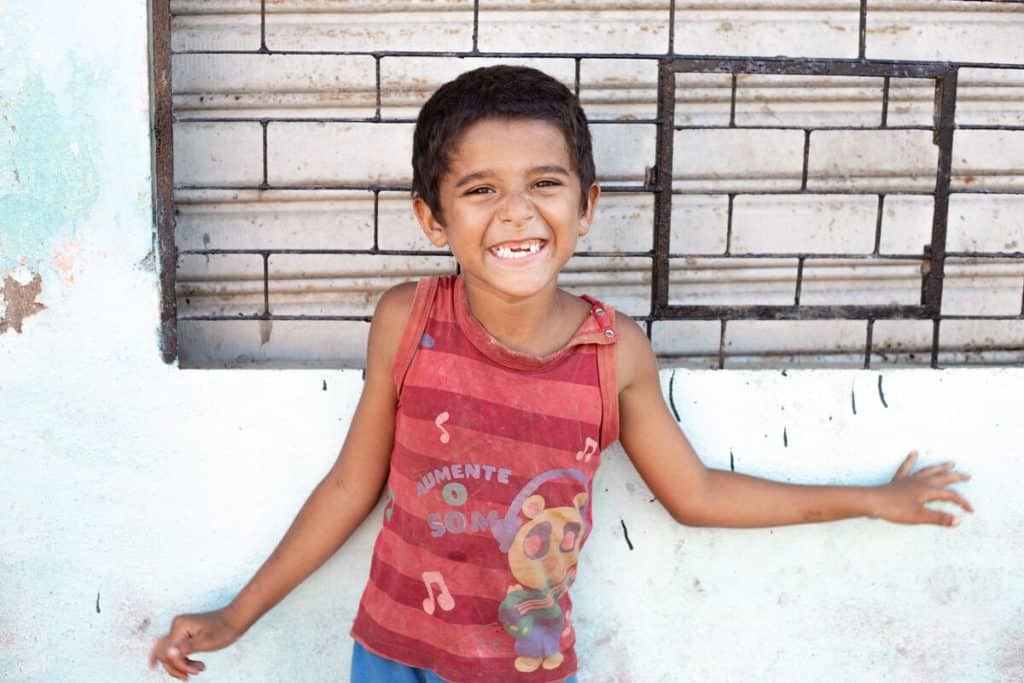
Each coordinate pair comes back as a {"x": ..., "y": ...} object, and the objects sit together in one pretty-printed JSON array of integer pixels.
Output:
[{"x": 703, "y": 103}]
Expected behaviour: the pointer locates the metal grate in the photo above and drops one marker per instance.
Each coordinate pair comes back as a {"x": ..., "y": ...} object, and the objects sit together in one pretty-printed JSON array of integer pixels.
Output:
[{"x": 659, "y": 182}]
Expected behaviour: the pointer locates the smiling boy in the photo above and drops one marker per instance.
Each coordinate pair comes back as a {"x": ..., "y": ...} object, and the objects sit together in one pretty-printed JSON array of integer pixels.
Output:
[{"x": 499, "y": 368}]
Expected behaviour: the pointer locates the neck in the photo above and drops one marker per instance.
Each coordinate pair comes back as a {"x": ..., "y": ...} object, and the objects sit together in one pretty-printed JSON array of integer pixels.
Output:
[{"x": 533, "y": 325}]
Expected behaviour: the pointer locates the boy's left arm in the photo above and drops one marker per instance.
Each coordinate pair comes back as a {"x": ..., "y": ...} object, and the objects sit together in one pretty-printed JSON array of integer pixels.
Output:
[{"x": 700, "y": 496}]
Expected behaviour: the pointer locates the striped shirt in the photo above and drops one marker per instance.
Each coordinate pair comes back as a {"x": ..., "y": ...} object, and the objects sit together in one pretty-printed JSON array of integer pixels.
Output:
[{"x": 489, "y": 494}]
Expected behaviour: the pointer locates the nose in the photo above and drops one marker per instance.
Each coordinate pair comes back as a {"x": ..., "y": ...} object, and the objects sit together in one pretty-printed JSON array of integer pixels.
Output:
[{"x": 516, "y": 209}]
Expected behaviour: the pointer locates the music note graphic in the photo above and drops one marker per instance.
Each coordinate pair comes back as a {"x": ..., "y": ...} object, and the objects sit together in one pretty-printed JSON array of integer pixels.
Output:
[
  {"x": 589, "y": 448},
  {"x": 444, "y": 597},
  {"x": 439, "y": 421}
]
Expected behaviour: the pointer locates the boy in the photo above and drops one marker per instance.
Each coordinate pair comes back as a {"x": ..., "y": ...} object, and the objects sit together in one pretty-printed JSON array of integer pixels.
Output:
[{"x": 487, "y": 401}]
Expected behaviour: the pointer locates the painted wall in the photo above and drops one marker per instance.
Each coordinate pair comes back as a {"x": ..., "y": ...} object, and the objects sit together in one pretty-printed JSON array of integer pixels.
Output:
[{"x": 131, "y": 490}]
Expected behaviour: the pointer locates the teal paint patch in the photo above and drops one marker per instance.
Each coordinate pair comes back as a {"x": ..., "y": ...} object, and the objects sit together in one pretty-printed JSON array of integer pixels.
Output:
[{"x": 47, "y": 176}]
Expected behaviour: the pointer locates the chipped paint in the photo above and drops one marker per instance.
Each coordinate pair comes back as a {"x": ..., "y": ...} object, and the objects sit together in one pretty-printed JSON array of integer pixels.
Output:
[
  {"x": 44, "y": 185},
  {"x": 20, "y": 302},
  {"x": 64, "y": 259}
]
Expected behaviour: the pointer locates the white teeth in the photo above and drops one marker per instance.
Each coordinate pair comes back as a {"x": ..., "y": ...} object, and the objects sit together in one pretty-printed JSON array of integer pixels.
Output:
[{"x": 521, "y": 251}]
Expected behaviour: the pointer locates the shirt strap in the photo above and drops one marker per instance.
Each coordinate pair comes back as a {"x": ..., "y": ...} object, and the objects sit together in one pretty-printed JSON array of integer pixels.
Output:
[
  {"x": 605, "y": 317},
  {"x": 410, "y": 342}
]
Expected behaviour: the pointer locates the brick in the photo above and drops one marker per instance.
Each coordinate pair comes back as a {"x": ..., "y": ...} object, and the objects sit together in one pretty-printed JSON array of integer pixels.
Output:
[
  {"x": 622, "y": 222},
  {"x": 622, "y": 151},
  {"x": 808, "y": 224},
  {"x": 984, "y": 97},
  {"x": 731, "y": 282},
  {"x": 215, "y": 25},
  {"x": 990, "y": 223},
  {"x": 912, "y": 102},
  {"x": 901, "y": 343},
  {"x": 687, "y": 343},
  {"x": 947, "y": 31},
  {"x": 818, "y": 343},
  {"x": 809, "y": 101},
  {"x": 861, "y": 282},
  {"x": 339, "y": 153},
  {"x": 737, "y": 160},
  {"x": 407, "y": 82},
  {"x": 330, "y": 285},
  {"x": 906, "y": 224},
  {"x": 330, "y": 25},
  {"x": 621, "y": 89},
  {"x": 622, "y": 282},
  {"x": 703, "y": 99},
  {"x": 769, "y": 28},
  {"x": 988, "y": 159},
  {"x": 563, "y": 26},
  {"x": 273, "y": 343},
  {"x": 218, "y": 154},
  {"x": 876, "y": 160},
  {"x": 983, "y": 287},
  {"x": 397, "y": 227},
  {"x": 272, "y": 86},
  {"x": 699, "y": 224},
  {"x": 981, "y": 342},
  {"x": 219, "y": 284},
  {"x": 993, "y": 97},
  {"x": 274, "y": 220}
]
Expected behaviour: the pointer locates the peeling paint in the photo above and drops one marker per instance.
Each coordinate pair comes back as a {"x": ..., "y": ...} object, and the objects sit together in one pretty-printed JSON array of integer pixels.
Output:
[
  {"x": 20, "y": 302},
  {"x": 64, "y": 261},
  {"x": 51, "y": 186},
  {"x": 266, "y": 326},
  {"x": 148, "y": 262}
]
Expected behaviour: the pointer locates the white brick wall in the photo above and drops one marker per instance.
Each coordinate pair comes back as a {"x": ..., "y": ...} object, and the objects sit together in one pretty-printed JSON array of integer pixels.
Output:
[{"x": 846, "y": 169}]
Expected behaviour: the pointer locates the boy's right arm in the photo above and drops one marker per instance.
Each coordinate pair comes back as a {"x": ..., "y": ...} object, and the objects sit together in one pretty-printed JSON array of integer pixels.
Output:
[{"x": 339, "y": 503}]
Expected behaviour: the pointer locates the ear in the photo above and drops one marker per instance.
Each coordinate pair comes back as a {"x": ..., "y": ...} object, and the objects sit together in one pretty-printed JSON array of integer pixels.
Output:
[
  {"x": 533, "y": 506},
  {"x": 580, "y": 500},
  {"x": 431, "y": 227},
  {"x": 587, "y": 216}
]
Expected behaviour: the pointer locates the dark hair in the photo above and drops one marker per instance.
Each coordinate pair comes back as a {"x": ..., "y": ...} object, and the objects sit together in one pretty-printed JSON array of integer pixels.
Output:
[{"x": 509, "y": 92}]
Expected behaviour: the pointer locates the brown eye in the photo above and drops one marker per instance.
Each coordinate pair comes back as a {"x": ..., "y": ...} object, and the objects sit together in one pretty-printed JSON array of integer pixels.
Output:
[
  {"x": 569, "y": 536},
  {"x": 536, "y": 543}
]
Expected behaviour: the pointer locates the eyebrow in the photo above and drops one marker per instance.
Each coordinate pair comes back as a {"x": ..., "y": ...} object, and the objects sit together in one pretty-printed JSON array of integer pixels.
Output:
[{"x": 480, "y": 175}]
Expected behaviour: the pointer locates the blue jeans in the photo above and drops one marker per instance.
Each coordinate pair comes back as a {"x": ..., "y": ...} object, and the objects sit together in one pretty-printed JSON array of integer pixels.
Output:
[{"x": 370, "y": 668}]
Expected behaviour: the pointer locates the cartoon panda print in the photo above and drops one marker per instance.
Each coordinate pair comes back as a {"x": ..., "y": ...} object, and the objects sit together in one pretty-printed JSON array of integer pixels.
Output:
[{"x": 542, "y": 557}]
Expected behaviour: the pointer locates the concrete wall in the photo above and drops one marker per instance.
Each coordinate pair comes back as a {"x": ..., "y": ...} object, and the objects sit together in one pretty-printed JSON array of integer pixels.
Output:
[{"x": 131, "y": 490}]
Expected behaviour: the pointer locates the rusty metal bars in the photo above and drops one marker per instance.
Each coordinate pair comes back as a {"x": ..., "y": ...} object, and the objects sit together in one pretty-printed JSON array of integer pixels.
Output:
[{"x": 658, "y": 182}]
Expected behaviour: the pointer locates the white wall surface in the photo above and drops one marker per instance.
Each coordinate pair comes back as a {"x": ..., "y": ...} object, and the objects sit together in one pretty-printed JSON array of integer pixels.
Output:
[{"x": 131, "y": 490}]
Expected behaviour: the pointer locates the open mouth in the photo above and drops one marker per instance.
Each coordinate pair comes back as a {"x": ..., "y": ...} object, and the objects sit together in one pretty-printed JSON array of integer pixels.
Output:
[{"x": 517, "y": 250}]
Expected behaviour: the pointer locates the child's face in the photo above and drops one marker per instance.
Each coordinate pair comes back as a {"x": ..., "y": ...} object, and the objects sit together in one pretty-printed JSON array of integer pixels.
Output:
[{"x": 511, "y": 204}]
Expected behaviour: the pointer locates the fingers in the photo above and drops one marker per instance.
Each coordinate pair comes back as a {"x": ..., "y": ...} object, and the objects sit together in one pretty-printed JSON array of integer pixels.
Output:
[
  {"x": 173, "y": 657},
  {"x": 952, "y": 497},
  {"x": 176, "y": 657},
  {"x": 906, "y": 465},
  {"x": 938, "y": 517},
  {"x": 935, "y": 469},
  {"x": 952, "y": 478}
]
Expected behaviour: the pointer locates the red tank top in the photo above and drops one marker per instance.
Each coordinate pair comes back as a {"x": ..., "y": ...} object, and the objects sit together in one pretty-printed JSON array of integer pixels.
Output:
[{"x": 489, "y": 494}]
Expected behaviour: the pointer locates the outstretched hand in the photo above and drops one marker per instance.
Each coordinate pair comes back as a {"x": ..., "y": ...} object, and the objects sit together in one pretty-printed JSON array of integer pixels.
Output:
[
  {"x": 193, "y": 633},
  {"x": 903, "y": 499}
]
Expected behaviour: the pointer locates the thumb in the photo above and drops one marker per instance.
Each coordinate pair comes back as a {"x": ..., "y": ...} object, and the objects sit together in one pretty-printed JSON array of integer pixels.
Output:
[{"x": 178, "y": 653}]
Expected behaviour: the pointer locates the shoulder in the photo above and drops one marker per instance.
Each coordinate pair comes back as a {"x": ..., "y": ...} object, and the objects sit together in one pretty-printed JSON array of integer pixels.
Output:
[
  {"x": 389, "y": 320},
  {"x": 633, "y": 353},
  {"x": 395, "y": 304}
]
